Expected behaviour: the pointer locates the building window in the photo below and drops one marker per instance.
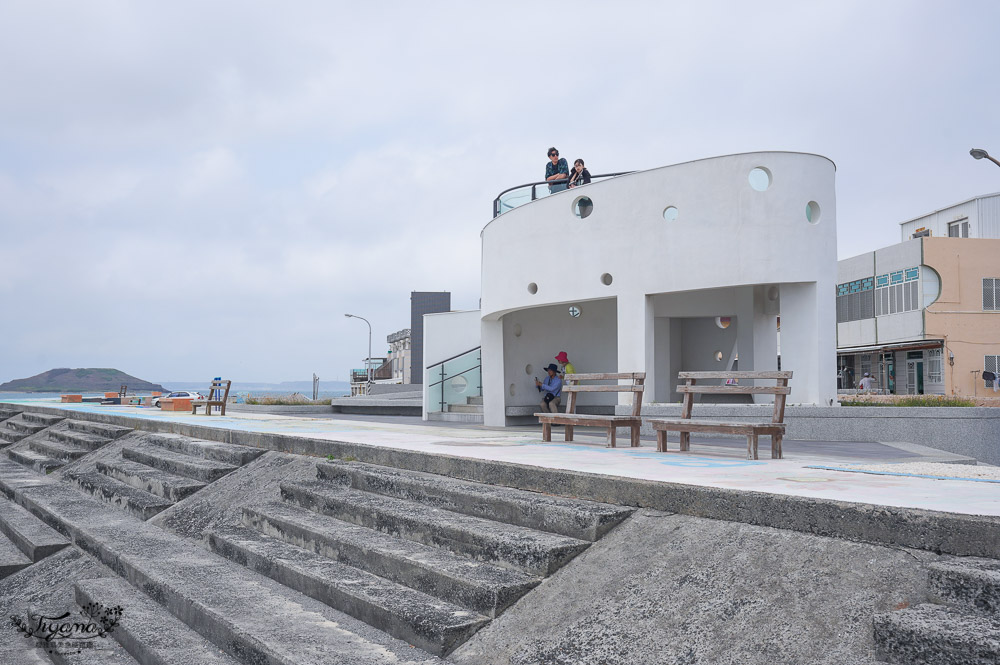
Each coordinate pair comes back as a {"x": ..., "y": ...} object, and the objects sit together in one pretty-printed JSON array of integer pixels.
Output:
[
  {"x": 991, "y": 294},
  {"x": 855, "y": 300},
  {"x": 991, "y": 364},
  {"x": 959, "y": 229},
  {"x": 935, "y": 367}
]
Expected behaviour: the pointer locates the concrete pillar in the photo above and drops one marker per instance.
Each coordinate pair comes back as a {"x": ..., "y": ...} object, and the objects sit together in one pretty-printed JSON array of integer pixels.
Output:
[
  {"x": 808, "y": 343},
  {"x": 494, "y": 379},
  {"x": 636, "y": 335},
  {"x": 765, "y": 333}
]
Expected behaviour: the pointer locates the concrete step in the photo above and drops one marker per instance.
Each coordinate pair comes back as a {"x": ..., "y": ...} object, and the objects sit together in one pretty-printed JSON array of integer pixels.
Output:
[
  {"x": 474, "y": 400},
  {"x": 251, "y": 617},
  {"x": 465, "y": 408},
  {"x": 11, "y": 558},
  {"x": 8, "y": 413},
  {"x": 479, "y": 586},
  {"x": 228, "y": 453},
  {"x": 937, "y": 634},
  {"x": 9, "y": 435},
  {"x": 535, "y": 552},
  {"x": 969, "y": 583},
  {"x": 586, "y": 520},
  {"x": 131, "y": 499},
  {"x": 162, "y": 484},
  {"x": 434, "y": 625},
  {"x": 22, "y": 425},
  {"x": 105, "y": 652},
  {"x": 98, "y": 429},
  {"x": 38, "y": 462},
  {"x": 147, "y": 631},
  {"x": 34, "y": 538},
  {"x": 84, "y": 440},
  {"x": 196, "y": 468},
  {"x": 41, "y": 419},
  {"x": 57, "y": 450},
  {"x": 446, "y": 417}
]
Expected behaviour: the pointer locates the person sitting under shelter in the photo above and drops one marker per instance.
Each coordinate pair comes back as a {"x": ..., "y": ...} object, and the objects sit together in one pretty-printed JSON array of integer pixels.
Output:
[
  {"x": 565, "y": 366},
  {"x": 552, "y": 387}
]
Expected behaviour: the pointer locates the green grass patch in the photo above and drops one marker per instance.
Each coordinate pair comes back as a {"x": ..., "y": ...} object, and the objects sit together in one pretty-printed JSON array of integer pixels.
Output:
[{"x": 914, "y": 400}]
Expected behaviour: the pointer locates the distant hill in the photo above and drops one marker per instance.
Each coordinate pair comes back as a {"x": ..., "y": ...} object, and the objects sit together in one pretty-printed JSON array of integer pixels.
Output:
[{"x": 85, "y": 380}]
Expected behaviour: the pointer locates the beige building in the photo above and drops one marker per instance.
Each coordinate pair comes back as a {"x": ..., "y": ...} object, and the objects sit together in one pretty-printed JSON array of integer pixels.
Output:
[{"x": 921, "y": 317}]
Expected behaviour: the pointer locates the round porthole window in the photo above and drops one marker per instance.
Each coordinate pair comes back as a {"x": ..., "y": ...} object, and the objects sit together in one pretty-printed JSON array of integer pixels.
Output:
[
  {"x": 528, "y": 369},
  {"x": 532, "y": 288},
  {"x": 606, "y": 279},
  {"x": 718, "y": 356},
  {"x": 760, "y": 179},
  {"x": 459, "y": 384},
  {"x": 812, "y": 212},
  {"x": 670, "y": 213},
  {"x": 575, "y": 311},
  {"x": 517, "y": 330},
  {"x": 511, "y": 390},
  {"x": 723, "y": 321},
  {"x": 583, "y": 206}
]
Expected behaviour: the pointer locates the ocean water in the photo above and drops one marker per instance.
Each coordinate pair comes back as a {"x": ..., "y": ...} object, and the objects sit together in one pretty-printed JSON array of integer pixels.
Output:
[{"x": 240, "y": 395}]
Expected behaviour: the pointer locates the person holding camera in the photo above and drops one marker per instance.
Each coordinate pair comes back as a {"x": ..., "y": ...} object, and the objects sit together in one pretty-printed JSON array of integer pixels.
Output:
[{"x": 552, "y": 387}]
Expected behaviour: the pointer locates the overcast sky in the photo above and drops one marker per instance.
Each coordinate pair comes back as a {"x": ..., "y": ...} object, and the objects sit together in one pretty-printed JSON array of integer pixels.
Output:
[{"x": 244, "y": 173}]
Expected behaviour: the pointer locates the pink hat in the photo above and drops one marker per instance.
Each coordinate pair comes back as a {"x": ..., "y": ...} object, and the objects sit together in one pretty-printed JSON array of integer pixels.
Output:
[{"x": 562, "y": 357}]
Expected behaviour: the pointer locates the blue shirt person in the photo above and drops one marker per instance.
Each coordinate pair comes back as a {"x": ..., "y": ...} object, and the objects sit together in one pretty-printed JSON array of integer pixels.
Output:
[
  {"x": 556, "y": 169},
  {"x": 552, "y": 389}
]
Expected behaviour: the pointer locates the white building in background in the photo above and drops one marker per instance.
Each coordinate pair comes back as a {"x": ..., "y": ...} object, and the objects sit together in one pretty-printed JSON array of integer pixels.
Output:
[
  {"x": 685, "y": 267},
  {"x": 975, "y": 218}
]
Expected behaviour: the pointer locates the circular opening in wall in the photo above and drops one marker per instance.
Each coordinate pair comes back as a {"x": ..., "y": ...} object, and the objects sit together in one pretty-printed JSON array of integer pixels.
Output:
[
  {"x": 575, "y": 311},
  {"x": 723, "y": 321},
  {"x": 532, "y": 288},
  {"x": 760, "y": 178},
  {"x": 772, "y": 293},
  {"x": 670, "y": 213},
  {"x": 812, "y": 212},
  {"x": 459, "y": 384},
  {"x": 517, "y": 330},
  {"x": 511, "y": 390},
  {"x": 606, "y": 279},
  {"x": 528, "y": 369},
  {"x": 718, "y": 356},
  {"x": 583, "y": 206}
]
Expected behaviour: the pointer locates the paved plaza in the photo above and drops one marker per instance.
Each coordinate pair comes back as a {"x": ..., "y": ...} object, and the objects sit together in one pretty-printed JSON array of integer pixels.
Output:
[{"x": 711, "y": 462}]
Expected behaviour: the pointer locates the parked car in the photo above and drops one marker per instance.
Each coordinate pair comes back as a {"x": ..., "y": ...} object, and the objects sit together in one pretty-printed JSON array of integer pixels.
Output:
[{"x": 179, "y": 394}]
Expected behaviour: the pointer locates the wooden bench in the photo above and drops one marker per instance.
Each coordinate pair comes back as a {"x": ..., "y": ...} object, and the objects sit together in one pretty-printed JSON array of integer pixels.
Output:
[
  {"x": 571, "y": 386},
  {"x": 775, "y": 429},
  {"x": 217, "y": 388}
]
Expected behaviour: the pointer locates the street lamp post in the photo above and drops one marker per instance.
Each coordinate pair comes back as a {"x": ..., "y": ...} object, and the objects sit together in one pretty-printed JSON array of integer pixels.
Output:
[
  {"x": 368, "y": 362},
  {"x": 979, "y": 153}
]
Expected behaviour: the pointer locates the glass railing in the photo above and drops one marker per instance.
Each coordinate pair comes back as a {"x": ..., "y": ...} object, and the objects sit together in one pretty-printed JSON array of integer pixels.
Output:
[
  {"x": 518, "y": 196},
  {"x": 453, "y": 380}
]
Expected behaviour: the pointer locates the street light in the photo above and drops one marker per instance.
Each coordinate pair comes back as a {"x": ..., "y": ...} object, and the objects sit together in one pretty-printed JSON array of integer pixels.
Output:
[
  {"x": 368, "y": 363},
  {"x": 979, "y": 153}
]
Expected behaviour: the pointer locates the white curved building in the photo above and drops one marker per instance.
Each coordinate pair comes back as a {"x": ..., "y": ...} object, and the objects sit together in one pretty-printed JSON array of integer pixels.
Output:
[{"x": 685, "y": 267}]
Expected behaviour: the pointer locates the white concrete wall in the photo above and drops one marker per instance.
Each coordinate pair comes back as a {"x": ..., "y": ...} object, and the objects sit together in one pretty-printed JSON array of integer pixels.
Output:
[
  {"x": 726, "y": 235},
  {"x": 447, "y": 334},
  {"x": 856, "y": 267},
  {"x": 856, "y": 333}
]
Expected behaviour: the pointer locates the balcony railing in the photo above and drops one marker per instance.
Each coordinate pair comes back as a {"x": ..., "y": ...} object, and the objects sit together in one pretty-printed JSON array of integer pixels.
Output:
[
  {"x": 457, "y": 377},
  {"x": 518, "y": 196}
]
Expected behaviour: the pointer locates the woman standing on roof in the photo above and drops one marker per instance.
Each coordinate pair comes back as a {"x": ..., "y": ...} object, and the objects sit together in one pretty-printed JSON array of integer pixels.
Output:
[{"x": 579, "y": 175}]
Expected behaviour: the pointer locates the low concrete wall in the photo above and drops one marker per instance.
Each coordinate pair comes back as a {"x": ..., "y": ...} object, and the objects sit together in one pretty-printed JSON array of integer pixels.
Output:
[
  {"x": 970, "y": 431},
  {"x": 962, "y": 535},
  {"x": 285, "y": 409}
]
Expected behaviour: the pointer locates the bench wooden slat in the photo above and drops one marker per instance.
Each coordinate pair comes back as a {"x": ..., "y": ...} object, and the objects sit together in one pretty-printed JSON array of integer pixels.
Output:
[
  {"x": 221, "y": 386},
  {"x": 603, "y": 389},
  {"x": 734, "y": 375},
  {"x": 736, "y": 390},
  {"x": 630, "y": 376}
]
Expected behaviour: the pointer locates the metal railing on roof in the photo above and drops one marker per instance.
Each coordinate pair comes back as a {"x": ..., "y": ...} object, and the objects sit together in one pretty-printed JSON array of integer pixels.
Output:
[{"x": 513, "y": 197}]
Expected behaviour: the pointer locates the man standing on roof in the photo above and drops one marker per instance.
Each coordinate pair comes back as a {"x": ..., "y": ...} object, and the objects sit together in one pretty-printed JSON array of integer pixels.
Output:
[
  {"x": 556, "y": 169},
  {"x": 565, "y": 366}
]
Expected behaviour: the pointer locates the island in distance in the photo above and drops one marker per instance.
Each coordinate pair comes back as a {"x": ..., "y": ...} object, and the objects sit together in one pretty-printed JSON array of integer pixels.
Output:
[{"x": 83, "y": 380}]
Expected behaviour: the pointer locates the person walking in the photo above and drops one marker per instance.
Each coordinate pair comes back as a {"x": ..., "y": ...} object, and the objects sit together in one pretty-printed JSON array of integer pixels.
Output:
[
  {"x": 552, "y": 387},
  {"x": 556, "y": 170}
]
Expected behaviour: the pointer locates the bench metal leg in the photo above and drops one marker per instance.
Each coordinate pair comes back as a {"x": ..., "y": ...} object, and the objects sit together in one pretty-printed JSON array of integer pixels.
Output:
[
  {"x": 776, "y": 446},
  {"x": 611, "y": 437},
  {"x": 661, "y": 441},
  {"x": 569, "y": 432},
  {"x": 546, "y": 432},
  {"x": 635, "y": 436},
  {"x": 685, "y": 441}
]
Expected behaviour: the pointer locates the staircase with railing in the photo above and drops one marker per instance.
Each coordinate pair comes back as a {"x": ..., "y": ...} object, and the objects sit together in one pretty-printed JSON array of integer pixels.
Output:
[{"x": 455, "y": 388}]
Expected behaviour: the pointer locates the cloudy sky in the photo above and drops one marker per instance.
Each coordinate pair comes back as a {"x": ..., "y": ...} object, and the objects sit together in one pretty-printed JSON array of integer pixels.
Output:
[{"x": 246, "y": 172}]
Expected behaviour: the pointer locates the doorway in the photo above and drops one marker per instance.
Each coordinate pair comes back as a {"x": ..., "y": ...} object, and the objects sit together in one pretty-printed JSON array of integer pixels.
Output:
[{"x": 915, "y": 373}]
